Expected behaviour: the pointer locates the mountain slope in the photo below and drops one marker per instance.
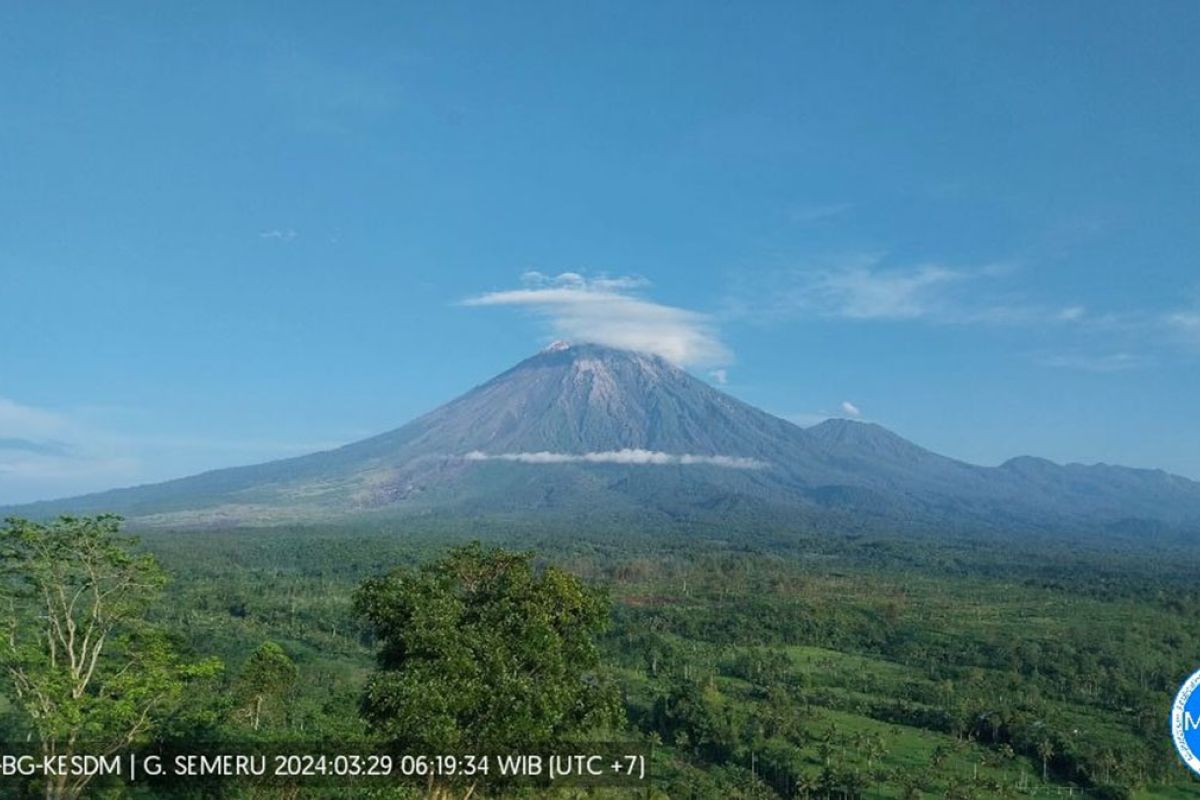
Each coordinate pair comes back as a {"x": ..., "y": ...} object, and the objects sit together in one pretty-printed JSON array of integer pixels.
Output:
[
  {"x": 584, "y": 427},
  {"x": 575, "y": 400}
]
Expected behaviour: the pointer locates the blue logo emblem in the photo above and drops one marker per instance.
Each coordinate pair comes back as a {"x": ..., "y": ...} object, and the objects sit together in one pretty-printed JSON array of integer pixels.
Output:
[{"x": 1185, "y": 722}]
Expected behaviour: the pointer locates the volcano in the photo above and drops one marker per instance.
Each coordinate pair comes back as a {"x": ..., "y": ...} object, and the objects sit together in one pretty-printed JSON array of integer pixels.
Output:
[{"x": 585, "y": 429}]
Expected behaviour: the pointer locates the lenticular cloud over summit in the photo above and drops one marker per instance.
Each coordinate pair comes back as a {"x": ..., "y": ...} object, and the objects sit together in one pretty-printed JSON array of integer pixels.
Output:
[
  {"x": 626, "y": 456},
  {"x": 605, "y": 311}
]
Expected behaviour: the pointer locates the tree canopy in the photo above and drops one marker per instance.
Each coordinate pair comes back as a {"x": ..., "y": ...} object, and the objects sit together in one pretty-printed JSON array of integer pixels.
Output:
[
  {"x": 481, "y": 652},
  {"x": 80, "y": 661},
  {"x": 267, "y": 676}
]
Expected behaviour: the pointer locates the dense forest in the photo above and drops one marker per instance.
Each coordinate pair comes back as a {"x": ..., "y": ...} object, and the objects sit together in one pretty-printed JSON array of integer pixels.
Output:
[{"x": 776, "y": 664}]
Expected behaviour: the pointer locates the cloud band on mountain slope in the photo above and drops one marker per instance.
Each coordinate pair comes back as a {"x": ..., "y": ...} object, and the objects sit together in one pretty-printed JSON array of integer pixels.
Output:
[
  {"x": 606, "y": 311},
  {"x": 626, "y": 456}
]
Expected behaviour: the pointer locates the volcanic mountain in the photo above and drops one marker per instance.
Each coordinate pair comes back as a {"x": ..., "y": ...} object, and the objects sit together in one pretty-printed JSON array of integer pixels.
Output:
[{"x": 581, "y": 429}]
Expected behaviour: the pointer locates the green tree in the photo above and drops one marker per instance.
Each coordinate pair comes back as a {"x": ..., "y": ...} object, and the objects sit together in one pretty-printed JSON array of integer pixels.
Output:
[
  {"x": 82, "y": 663},
  {"x": 1045, "y": 750},
  {"x": 875, "y": 748},
  {"x": 807, "y": 785},
  {"x": 265, "y": 680},
  {"x": 482, "y": 653}
]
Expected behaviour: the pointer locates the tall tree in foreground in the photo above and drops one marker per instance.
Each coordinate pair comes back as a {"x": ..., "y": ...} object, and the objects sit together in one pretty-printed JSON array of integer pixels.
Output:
[
  {"x": 91, "y": 675},
  {"x": 265, "y": 681},
  {"x": 481, "y": 653}
]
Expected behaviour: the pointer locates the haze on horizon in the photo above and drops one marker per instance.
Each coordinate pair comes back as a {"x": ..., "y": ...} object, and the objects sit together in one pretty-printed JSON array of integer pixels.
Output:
[{"x": 233, "y": 236}]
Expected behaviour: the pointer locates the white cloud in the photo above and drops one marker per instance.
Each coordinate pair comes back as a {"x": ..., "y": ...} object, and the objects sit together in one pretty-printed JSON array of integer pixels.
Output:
[
  {"x": 1186, "y": 323},
  {"x": 862, "y": 288},
  {"x": 850, "y": 410},
  {"x": 720, "y": 376},
  {"x": 47, "y": 453},
  {"x": 17, "y": 420},
  {"x": 626, "y": 456},
  {"x": 286, "y": 235},
  {"x": 1072, "y": 313},
  {"x": 860, "y": 292},
  {"x": 604, "y": 310}
]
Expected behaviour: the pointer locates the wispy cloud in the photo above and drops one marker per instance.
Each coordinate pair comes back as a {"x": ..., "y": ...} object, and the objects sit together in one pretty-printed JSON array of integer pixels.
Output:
[
  {"x": 850, "y": 410},
  {"x": 627, "y": 456},
  {"x": 41, "y": 449},
  {"x": 865, "y": 288},
  {"x": 1090, "y": 362},
  {"x": 1072, "y": 313},
  {"x": 868, "y": 288},
  {"x": 279, "y": 235},
  {"x": 859, "y": 293},
  {"x": 22, "y": 421},
  {"x": 719, "y": 376},
  {"x": 1134, "y": 338},
  {"x": 56, "y": 453},
  {"x": 810, "y": 213},
  {"x": 1185, "y": 324},
  {"x": 608, "y": 310}
]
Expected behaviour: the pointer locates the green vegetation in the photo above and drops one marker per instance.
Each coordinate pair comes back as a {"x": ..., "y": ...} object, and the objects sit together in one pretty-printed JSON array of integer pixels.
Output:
[
  {"x": 481, "y": 654},
  {"x": 766, "y": 665},
  {"x": 264, "y": 683},
  {"x": 88, "y": 672}
]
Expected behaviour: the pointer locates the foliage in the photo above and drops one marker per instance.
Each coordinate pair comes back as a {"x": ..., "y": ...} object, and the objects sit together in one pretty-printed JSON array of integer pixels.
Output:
[
  {"x": 482, "y": 653},
  {"x": 264, "y": 681},
  {"x": 81, "y": 662},
  {"x": 763, "y": 663}
]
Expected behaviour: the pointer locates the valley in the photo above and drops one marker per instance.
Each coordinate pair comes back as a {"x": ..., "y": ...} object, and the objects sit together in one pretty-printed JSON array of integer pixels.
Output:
[{"x": 822, "y": 612}]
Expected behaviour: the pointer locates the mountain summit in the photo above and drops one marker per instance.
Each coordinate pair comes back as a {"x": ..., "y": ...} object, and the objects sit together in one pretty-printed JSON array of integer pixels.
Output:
[{"x": 584, "y": 428}]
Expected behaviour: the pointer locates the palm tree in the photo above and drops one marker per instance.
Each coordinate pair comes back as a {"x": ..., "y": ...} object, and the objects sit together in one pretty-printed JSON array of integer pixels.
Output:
[
  {"x": 1108, "y": 761},
  {"x": 827, "y": 738},
  {"x": 807, "y": 785},
  {"x": 1045, "y": 750},
  {"x": 826, "y": 750},
  {"x": 875, "y": 749}
]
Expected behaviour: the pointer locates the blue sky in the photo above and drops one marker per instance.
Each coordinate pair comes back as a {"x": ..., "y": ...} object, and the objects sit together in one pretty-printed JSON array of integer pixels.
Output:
[{"x": 235, "y": 232}]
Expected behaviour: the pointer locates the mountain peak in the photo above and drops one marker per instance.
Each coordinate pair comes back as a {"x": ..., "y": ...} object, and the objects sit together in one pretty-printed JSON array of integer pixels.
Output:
[
  {"x": 585, "y": 356},
  {"x": 843, "y": 424},
  {"x": 842, "y": 428},
  {"x": 581, "y": 426},
  {"x": 587, "y": 397},
  {"x": 876, "y": 441}
]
